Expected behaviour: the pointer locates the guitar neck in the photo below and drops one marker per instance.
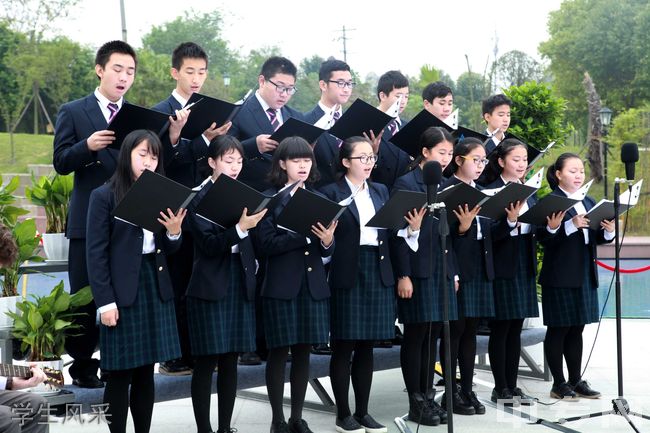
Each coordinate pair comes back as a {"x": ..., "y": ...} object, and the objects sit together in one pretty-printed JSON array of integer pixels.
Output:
[{"x": 10, "y": 370}]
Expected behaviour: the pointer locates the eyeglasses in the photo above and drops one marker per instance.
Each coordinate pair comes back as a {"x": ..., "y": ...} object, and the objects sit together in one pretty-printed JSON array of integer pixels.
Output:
[
  {"x": 476, "y": 160},
  {"x": 365, "y": 159},
  {"x": 343, "y": 84},
  {"x": 282, "y": 89}
]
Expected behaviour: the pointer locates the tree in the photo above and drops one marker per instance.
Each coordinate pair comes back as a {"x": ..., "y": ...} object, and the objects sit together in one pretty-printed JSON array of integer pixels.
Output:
[
  {"x": 153, "y": 82},
  {"x": 471, "y": 89},
  {"x": 34, "y": 17},
  {"x": 514, "y": 68},
  {"x": 10, "y": 101},
  {"x": 311, "y": 65}
]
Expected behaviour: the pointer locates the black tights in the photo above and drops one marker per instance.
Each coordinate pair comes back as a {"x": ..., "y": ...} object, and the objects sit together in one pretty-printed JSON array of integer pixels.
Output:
[
  {"x": 299, "y": 376},
  {"x": 359, "y": 368},
  {"x": 462, "y": 333},
  {"x": 140, "y": 399},
  {"x": 567, "y": 341},
  {"x": 418, "y": 355},
  {"x": 504, "y": 348},
  {"x": 202, "y": 389}
]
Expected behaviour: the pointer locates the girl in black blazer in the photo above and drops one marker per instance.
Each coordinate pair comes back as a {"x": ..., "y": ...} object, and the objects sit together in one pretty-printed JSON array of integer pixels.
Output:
[
  {"x": 472, "y": 240},
  {"x": 515, "y": 267},
  {"x": 131, "y": 287},
  {"x": 220, "y": 295},
  {"x": 420, "y": 288},
  {"x": 569, "y": 280},
  {"x": 362, "y": 283},
  {"x": 295, "y": 294}
]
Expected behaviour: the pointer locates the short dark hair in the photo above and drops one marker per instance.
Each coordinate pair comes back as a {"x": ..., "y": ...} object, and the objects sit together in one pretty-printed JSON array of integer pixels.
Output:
[
  {"x": 559, "y": 163},
  {"x": 104, "y": 52},
  {"x": 329, "y": 66},
  {"x": 436, "y": 90},
  {"x": 391, "y": 80},
  {"x": 8, "y": 247},
  {"x": 495, "y": 101},
  {"x": 463, "y": 148},
  {"x": 278, "y": 65},
  {"x": 291, "y": 148},
  {"x": 219, "y": 146},
  {"x": 187, "y": 50},
  {"x": 345, "y": 152}
]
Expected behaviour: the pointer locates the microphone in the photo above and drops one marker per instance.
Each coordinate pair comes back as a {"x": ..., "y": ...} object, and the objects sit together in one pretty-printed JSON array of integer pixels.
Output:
[
  {"x": 431, "y": 175},
  {"x": 629, "y": 156}
]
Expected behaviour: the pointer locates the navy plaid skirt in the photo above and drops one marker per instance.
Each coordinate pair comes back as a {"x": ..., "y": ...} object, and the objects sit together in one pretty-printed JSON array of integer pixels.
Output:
[
  {"x": 146, "y": 331},
  {"x": 301, "y": 320},
  {"x": 476, "y": 297},
  {"x": 571, "y": 306},
  {"x": 226, "y": 325},
  {"x": 367, "y": 311},
  {"x": 517, "y": 298},
  {"x": 427, "y": 303}
]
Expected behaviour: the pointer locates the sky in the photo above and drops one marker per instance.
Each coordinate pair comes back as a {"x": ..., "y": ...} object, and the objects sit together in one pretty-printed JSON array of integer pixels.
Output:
[{"x": 381, "y": 35}]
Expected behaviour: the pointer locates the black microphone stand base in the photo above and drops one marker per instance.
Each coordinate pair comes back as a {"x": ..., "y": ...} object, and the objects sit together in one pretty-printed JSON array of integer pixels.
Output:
[{"x": 619, "y": 407}]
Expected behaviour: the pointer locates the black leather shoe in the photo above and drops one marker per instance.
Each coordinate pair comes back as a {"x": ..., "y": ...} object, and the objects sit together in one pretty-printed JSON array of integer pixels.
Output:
[
  {"x": 370, "y": 425},
  {"x": 420, "y": 412},
  {"x": 249, "y": 358},
  {"x": 280, "y": 427},
  {"x": 321, "y": 349},
  {"x": 504, "y": 397},
  {"x": 299, "y": 426},
  {"x": 582, "y": 389},
  {"x": 435, "y": 407},
  {"x": 349, "y": 425},
  {"x": 564, "y": 391},
  {"x": 470, "y": 397},
  {"x": 227, "y": 430},
  {"x": 524, "y": 399},
  {"x": 88, "y": 382},
  {"x": 175, "y": 367},
  {"x": 460, "y": 406}
]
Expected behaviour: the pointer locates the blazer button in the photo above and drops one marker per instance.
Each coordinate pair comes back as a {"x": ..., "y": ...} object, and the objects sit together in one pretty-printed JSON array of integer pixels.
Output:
[
  {"x": 160, "y": 268},
  {"x": 306, "y": 253},
  {"x": 381, "y": 258},
  {"x": 158, "y": 251},
  {"x": 381, "y": 242},
  {"x": 486, "y": 252},
  {"x": 309, "y": 269},
  {"x": 99, "y": 162}
]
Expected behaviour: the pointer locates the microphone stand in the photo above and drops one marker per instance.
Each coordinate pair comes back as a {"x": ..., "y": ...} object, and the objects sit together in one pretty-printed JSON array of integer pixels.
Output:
[{"x": 619, "y": 404}]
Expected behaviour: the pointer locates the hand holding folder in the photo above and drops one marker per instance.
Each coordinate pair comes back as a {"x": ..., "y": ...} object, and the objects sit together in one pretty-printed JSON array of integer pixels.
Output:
[
  {"x": 392, "y": 215},
  {"x": 132, "y": 117},
  {"x": 306, "y": 209},
  {"x": 205, "y": 112},
  {"x": 604, "y": 209}
]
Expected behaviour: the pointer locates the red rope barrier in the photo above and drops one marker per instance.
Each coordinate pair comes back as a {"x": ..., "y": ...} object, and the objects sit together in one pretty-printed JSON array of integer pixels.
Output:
[{"x": 623, "y": 271}]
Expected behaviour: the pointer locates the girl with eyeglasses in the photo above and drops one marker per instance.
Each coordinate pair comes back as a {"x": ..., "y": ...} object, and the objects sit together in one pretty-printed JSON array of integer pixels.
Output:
[{"x": 362, "y": 283}]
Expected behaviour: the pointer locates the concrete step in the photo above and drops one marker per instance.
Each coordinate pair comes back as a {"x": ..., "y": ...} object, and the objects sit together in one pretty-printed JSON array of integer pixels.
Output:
[
  {"x": 40, "y": 169},
  {"x": 25, "y": 180}
]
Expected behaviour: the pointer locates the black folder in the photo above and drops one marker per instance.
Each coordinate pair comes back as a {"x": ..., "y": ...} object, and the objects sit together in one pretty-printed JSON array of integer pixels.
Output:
[
  {"x": 494, "y": 207},
  {"x": 294, "y": 127},
  {"x": 604, "y": 210},
  {"x": 205, "y": 111},
  {"x": 149, "y": 195},
  {"x": 391, "y": 215},
  {"x": 132, "y": 117},
  {"x": 305, "y": 209},
  {"x": 534, "y": 154},
  {"x": 459, "y": 195},
  {"x": 224, "y": 202},
  {"x": 359, "y": 118},
  {"x": 546, "y": 207}
]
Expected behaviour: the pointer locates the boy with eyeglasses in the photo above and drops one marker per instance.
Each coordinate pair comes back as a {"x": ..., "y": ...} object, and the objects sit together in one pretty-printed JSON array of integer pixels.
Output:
[
  {"x": 336, "y": 84},
  {"x": 261, "y": 115}
]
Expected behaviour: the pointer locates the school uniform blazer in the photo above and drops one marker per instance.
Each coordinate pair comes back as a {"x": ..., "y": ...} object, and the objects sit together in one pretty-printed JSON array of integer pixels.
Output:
[
  {"x": 563, "y": 263},
  {"x": 392, "y": 161},
  {"x": 75, "y": 122},
  {"x": 181, "y": 160},
  {"x": 210, "y": 278},
  {"x": 250, "y": 122},
  {"x": 408, "y": 263},
  {"x": 489, "y": 145},
  {"x": 326, "y": 150},
  {"x": 344, "y": 266},
  {"x": 290, "y": 258},
  {"x": 114, "y": 254}
]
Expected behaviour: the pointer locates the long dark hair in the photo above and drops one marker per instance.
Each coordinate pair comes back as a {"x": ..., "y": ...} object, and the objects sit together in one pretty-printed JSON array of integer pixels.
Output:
[
  {"x": 430, "y": 138},
  {"x": 345, "y": 152},
  {"x": 559, "y": 163},
  {"x": 463, "y": 148},
  {"x": 122, "y": 179},
  {"x": 291, "y": 148},
  {"x": 493, "y": 169}
]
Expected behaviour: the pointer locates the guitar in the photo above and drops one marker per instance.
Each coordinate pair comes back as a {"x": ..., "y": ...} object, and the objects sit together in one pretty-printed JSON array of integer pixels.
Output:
[{"x": 54, "y": 377}]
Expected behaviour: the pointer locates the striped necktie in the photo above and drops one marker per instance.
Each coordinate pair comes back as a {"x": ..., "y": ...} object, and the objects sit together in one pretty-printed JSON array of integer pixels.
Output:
[
  {"x": 113, "y": 108},
  {"x": 273, "y": 117},
  {"x": 335, "y": 118},
  {"x": 392, "y": 127}
]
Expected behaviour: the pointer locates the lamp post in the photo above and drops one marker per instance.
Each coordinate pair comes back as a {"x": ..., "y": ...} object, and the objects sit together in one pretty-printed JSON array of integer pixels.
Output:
[
  {"x": 226, "y": 82},
  {"x": 605, "y": 119}
]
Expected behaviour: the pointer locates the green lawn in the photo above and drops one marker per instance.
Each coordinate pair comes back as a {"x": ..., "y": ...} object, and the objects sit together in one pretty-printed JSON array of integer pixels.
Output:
[{"x": 29, "y": 148}]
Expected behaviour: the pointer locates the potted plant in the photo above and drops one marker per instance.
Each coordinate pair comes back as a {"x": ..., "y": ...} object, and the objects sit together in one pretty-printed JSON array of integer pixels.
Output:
[
  {"x": 8, "y": 212},
  {"x": 53, "y": 193},
  {"x": 42, "y": 324}
]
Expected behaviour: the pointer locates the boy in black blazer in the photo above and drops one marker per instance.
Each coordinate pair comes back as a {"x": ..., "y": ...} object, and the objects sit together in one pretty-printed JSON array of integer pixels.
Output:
[
  {"x": 496, "y": 113},
  {"x": 80, "y": 147}
]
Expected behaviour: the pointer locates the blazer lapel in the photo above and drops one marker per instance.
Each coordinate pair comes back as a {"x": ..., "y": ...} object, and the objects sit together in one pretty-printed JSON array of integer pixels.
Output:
[
  {"x": 345, "y": 191},
  {"x": 260, "y": 116},
  {"x": 95, "y": 114}
]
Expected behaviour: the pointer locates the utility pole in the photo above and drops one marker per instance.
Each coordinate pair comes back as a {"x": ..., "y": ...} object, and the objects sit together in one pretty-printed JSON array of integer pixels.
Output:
[
  {"x": 123, "y": 20},
  {"x": 345, "y": 38}
]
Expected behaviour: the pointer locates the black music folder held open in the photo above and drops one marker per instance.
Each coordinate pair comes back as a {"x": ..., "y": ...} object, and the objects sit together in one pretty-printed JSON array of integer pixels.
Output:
[
  {"x": 132, "y": 117},
  {"x": 148, "y": 196},
  {"x": 359, "y": 118},
  {"x": 305, "y": 209},
  {"x": 604, "y": 209},
  {"x": 224, "y": 203},
  {"x": 495, "y": 206},
  {"x": 391, "y": 215},
  {"x": 546, "y": 207},
  {"x": 294, "y": 127},
  {"x": 205, "y": 111},
  {"x": 533, "y": 153},
  {"x": 459, "y": 195}
]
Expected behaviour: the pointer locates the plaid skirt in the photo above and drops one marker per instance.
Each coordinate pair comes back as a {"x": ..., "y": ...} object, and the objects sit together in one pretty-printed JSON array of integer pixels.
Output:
[
  {"x": 571, "y": 306},
  {"x": 476, "y": 297},
  {"x": 517, "y": 298},
  {"x": 301, "y": 320},
  {"x": 427, "y": 303},
  {"x": 146, "y": 331},
  {"x": 366, "y": 311},
  {"x": 225, "y": 325}
]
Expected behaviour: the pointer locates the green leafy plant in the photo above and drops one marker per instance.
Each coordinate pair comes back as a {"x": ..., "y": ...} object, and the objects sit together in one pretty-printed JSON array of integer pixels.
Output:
[
  {"x": 43, "y": 323},
  {"x": 53, "y": 193},
  {"x": 27, "y": 240},
  {"x": 8, "y": 212}
]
